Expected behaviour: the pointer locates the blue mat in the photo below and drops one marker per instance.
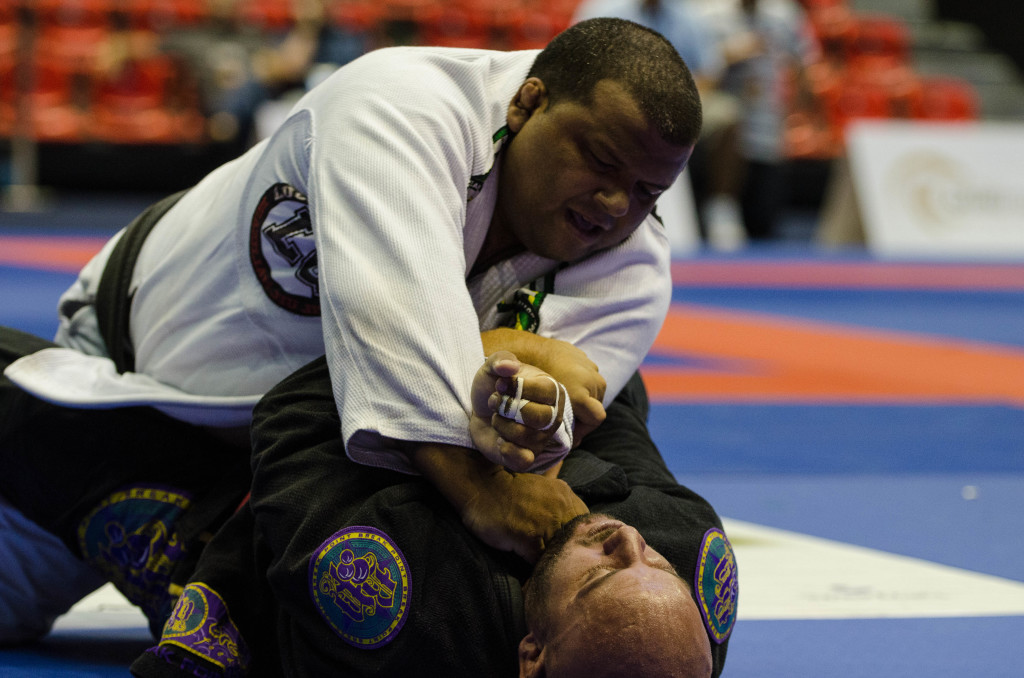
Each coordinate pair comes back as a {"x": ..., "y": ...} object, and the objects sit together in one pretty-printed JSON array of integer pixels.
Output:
[{"x": 941, "y": 482}]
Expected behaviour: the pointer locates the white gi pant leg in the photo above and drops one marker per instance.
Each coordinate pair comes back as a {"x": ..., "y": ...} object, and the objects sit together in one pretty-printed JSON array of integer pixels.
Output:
[{"x": 40, "y": 579}]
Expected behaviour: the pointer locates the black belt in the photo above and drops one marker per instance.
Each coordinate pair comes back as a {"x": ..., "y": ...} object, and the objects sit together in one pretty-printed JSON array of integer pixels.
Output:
[{"x": 113, "y": 297}]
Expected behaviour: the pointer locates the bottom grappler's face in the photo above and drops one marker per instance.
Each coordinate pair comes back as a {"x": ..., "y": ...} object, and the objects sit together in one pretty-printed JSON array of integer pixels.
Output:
[
  {"x": 577, "y": 178},
  {"x": 601, "y": 599}
]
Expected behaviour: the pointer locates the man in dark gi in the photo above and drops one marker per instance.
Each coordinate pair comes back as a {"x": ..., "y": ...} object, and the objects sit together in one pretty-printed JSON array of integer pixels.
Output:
[{"x": 379, "y": 575}]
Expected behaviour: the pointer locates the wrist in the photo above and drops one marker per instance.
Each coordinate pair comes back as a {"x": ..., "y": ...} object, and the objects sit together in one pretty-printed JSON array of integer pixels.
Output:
[
  {"x": 530, "y": 348},
  {"x": 460, "y": 474}
]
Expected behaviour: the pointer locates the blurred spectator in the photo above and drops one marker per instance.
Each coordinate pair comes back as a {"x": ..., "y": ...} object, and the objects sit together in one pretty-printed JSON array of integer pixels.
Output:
[
  {"x": 765, "y": 44},
  {"x": 238, "y": 63},
  {"x": 716, "y": 164}
]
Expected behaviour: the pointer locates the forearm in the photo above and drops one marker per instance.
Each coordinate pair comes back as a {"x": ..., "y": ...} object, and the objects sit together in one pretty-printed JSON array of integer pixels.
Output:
[
  {"x": 458, "y": 473},
  {"x": 507, "y": 511},
  {"x": 561, "y": 359},
  {"x": 542, "y": 352}
]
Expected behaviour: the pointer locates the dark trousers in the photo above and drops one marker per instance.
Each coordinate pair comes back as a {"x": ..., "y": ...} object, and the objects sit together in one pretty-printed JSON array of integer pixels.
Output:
[{"x": 130, "y": 490}]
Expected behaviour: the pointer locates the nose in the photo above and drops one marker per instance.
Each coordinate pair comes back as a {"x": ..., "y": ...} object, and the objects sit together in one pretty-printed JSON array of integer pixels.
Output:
[
  {"x": 613, "y": 200},
  {"x": 626, "y": 545}
]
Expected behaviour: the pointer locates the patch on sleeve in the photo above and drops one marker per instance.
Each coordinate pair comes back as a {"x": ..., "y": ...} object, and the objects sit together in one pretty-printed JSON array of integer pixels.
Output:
[
  {"x": 717, "y": 584},
  {"x": 282, "y": 250},
  {"x": 359, "y": 580},
  {"x": 130, "y": 537},
  {"x": 201, "y": 624},
  {"x": 525, "y": 307}
]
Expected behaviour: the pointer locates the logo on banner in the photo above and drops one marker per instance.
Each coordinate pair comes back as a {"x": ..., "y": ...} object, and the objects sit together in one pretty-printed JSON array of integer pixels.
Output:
[{"x": 940, "y": 193}]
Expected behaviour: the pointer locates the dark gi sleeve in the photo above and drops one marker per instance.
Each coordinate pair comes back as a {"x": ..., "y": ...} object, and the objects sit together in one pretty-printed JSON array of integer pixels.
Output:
[
  {"x": 129, "y": 490},
  {"x": 352, "y": 570}
]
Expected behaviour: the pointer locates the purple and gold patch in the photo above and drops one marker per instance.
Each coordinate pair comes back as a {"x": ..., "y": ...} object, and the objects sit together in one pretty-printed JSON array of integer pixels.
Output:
[
  {"x": 201, "y": 624},
  {"x": 130, "y": 538},
  {"x": 359, "y": 580},
  {"x": 717, "y": 584}
]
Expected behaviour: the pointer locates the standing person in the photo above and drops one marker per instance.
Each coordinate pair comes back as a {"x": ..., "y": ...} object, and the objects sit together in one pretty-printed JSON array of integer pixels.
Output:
[
  {"x": 413, "y": 199},
  {"x": 764, "y": 42}
]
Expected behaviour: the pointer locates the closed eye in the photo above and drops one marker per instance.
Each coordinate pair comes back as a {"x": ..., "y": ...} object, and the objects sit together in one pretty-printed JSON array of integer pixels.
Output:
[
  {"x": 599, "y": 164},
  {"x": 650, "y": 193},
  {"x": 593, "y": 577}
]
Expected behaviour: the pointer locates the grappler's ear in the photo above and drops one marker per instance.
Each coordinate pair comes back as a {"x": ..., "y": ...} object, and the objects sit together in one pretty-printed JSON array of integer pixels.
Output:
[
  {"x": 532, "y": 96},
  {"x": 531, "y": 657}
]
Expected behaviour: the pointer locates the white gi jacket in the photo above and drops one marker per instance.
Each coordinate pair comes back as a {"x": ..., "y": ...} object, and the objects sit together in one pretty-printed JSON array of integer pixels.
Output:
[{"x": 351, "y": 231}]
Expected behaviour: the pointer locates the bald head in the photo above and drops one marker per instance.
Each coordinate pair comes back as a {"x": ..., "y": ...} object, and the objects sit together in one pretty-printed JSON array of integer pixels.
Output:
[{"x": 603, "y": 603}]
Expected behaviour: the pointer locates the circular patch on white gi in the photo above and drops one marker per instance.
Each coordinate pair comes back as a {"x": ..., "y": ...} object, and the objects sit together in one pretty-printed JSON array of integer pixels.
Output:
[
  {"x": 359, "y": 581},
  {"x": 283, "y": 252}
]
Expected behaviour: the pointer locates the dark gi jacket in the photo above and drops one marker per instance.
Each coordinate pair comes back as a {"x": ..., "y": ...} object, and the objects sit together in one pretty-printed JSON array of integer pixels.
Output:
[{"x": 333, "y": 568}]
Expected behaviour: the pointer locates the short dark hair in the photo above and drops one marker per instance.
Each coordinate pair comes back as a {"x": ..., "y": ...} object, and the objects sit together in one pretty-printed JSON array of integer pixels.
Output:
[{"x": 638, "y": 58}]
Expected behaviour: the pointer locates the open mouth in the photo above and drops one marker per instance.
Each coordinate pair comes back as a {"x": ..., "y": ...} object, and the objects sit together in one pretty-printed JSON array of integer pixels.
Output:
[{"x": 582, "y": 226}]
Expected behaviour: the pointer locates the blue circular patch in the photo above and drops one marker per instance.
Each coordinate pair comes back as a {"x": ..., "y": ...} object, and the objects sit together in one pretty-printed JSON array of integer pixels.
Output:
[
  {"x": 130, "y": 537},
  {"x": 359, "y": 581},
  {"x": 717, "y": 584}
]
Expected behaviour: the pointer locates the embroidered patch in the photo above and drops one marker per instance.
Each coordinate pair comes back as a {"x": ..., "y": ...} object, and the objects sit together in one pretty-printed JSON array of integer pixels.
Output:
[
  {"x": 360, "y": 582},
  {"x": 717, "y": 584},
  {"x": 201, "y": 624},
  {"x": 525, "y": 306},
  {"x": 130, "y": 538},
  {"x": 283, "y": 252}
]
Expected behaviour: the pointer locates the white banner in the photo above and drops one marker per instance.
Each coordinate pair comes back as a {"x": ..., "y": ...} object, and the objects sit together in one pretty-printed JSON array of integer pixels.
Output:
[{"x": 940, "y": 189}]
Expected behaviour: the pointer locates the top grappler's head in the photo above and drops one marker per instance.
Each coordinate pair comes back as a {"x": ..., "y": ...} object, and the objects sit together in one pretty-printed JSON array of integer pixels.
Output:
[{"x": 604, "y": 124}]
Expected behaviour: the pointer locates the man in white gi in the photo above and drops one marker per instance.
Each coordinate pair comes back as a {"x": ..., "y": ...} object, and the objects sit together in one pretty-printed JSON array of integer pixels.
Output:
[{"x": 412, "y": 204}]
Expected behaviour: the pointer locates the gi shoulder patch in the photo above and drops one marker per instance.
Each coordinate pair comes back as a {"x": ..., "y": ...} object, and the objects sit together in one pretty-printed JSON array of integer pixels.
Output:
[
  {"x": 282, "y": 250},
  {"x": 717, "y": 584},
  {"x": 201, "y": 624},
  {"x": 359, "y": 581},
  {"x": 130, "y": 537}
]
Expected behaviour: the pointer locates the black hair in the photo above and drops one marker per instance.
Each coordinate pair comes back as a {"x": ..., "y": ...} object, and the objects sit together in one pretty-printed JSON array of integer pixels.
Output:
[{"x": 638, "y": 58}]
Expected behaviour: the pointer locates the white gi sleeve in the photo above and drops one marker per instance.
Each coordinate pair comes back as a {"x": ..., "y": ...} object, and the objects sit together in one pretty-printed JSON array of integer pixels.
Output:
[{"x": 389, "y": 169}]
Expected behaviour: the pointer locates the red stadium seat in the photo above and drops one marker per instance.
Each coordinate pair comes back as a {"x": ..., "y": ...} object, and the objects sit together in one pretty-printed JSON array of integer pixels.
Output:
[
  {"x": 9, "y": 36},
  {"x": 135, "y": 106},
  {"x": 533, "y": 27},
  {"x": 454, "y": 26},
  {"x": 356, "y": 15},
  {"x": 54, "y": 112},
  {"x": 858, "y": 100},
  {"x": 163, "y": 15},
  {"x": 878, "y": 41},
  {"x": 946, "y": 99},
  {"x": 267, "y": 14},
  {"x": 834, "y": 25}
]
